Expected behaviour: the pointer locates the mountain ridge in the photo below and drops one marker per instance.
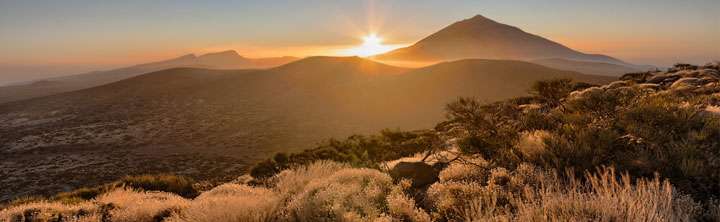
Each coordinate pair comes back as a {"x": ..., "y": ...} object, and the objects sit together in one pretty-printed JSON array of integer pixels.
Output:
[{"x": 228, "y": 59}]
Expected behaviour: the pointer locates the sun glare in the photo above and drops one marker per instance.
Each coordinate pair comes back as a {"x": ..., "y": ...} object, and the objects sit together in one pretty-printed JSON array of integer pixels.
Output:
[{"x": 372, "y": 45}]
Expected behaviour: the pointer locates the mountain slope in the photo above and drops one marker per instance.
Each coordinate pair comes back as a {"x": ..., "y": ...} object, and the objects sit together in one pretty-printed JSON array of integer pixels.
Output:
[
  {"x": 595, "y": 68},
  {"x": 221, "y": 60},
  {"x": 480, "y": 37},
  {"x": 220, "y": 121}
]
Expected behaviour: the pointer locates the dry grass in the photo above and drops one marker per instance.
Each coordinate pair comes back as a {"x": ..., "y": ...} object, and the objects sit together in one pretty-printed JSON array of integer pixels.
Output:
[
  {"x": 45, "y": 211},
  {"x": 232, "y": 202},
  {"x": 129, "y": 205},
  {"x": 532, "y": 144},
  {"x": 327, "y": 191}
]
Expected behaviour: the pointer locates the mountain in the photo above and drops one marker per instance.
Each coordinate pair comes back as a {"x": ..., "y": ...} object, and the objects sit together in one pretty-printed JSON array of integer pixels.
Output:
[
  {"x": 483, "y": 38},
  {"x": 209, "y": 124},
  {"x": 221, "y": 60},
  {"x": 595, "y": 68},
  {"x": 230, "y": 59}
]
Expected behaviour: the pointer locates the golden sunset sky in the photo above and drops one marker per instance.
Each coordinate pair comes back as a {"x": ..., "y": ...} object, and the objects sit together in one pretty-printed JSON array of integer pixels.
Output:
[{"x": 42, "y": 38}]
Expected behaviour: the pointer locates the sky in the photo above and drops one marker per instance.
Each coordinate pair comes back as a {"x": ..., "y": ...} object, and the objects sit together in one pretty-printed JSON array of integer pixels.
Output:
[{"x": 49, "y": 38}]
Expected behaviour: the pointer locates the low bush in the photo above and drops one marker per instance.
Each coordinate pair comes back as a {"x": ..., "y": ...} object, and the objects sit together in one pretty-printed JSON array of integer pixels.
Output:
[
  {"x": 179, "y": 185},
  {"x": 356, "y": 150}
]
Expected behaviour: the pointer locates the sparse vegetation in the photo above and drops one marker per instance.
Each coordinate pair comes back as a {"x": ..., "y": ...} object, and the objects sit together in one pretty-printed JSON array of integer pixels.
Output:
[
  {"x": 179, "y": 185},
  {"x": 357, "y": 150},
  {"x": 641, "y": 149},
  {"x": 327, "y": 191}
]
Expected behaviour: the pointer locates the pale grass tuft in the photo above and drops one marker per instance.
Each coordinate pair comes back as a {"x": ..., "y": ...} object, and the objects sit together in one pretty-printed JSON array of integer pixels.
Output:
[
  {"x": 348, "y": 193},
  {"x": 403, "y": 207},
  {"x": 458, "y": 171},
  {"x": 47, "y": 211},
  {"x": 605, "y": 198},
  {"x": 449, "y": 199},
  {"x": 232, "y": 202},
  {"x": 138, "y": 206},
  {"x": 532, "y": 143},
  {"x": 290, "y": 182}
]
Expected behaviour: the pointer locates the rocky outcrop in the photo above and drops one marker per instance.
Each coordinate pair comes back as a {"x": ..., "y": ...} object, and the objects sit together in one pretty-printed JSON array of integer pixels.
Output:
[
  {"x": 687, "y": 83},
  {"x": 679, "y": 79}
]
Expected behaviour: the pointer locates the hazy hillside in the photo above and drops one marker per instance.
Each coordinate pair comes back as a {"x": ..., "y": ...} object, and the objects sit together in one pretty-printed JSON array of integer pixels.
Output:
[
  {"x": 482, "y": 38},
  {"x": 594, "y": 68},
  {"x": 232, "y": 117},
  {"x": 220, "y": 60}
]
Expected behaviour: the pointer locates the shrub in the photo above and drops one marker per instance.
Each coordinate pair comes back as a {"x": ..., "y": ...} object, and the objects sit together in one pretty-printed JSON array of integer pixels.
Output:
[
  {"x": 79, "y": 194},
  {"x": 129, "y": 205},
  {"x": 552, "y": 91},
  {"x": 461, "y": 172},
  {"x": 356, "y": 150},
  {"x": 48, "y": 211},
  {"x": 532, "y": 144},
  {"x": 604, "y": 197},
  {"x": 354, "y": 194},
  {"x": 403, "y": 207},
  {"x": 529, "y": 194},
  {"x": 232, "y": 202},
  {"x": 179, "y": 185}
]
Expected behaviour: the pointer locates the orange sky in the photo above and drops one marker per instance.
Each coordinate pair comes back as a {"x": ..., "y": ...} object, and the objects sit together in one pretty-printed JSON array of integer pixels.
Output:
[{"x": 110, "y": 34}]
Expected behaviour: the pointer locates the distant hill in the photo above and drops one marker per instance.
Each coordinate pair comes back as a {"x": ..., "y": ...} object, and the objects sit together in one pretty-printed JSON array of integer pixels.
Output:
[
  {"x": 595, "y": 68},
  {"x": 209, "y": 124},
  {"x": 482, "y": 38},
  {"x": 221, "y": 60}
]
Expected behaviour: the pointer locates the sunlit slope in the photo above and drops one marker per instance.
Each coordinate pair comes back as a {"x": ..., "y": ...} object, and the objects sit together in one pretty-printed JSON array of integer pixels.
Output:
[{"x": 596, "y": 68}]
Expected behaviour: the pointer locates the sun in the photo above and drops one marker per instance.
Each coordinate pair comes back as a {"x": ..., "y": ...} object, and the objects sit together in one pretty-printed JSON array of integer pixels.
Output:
[{"x": 372, "y": 45}]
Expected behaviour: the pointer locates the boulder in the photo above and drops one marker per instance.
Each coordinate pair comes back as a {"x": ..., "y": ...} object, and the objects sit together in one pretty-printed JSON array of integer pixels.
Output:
[
  {"x": 711, "y": 85},
  {"x": 648, "y": 86},
  {"x": 710, "y": 73},
  {"x": 662, "y": 78},
  {"x": 687, "y": 82},
  {"x": 638, "y": 77},
  {"x": 617, "y": 84},
  {"x": 687, "y": 73},
  {"x": 530, "y": 107},
  {"x": 582, "y": 93},
  {"x": 421, "y": 174}
]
